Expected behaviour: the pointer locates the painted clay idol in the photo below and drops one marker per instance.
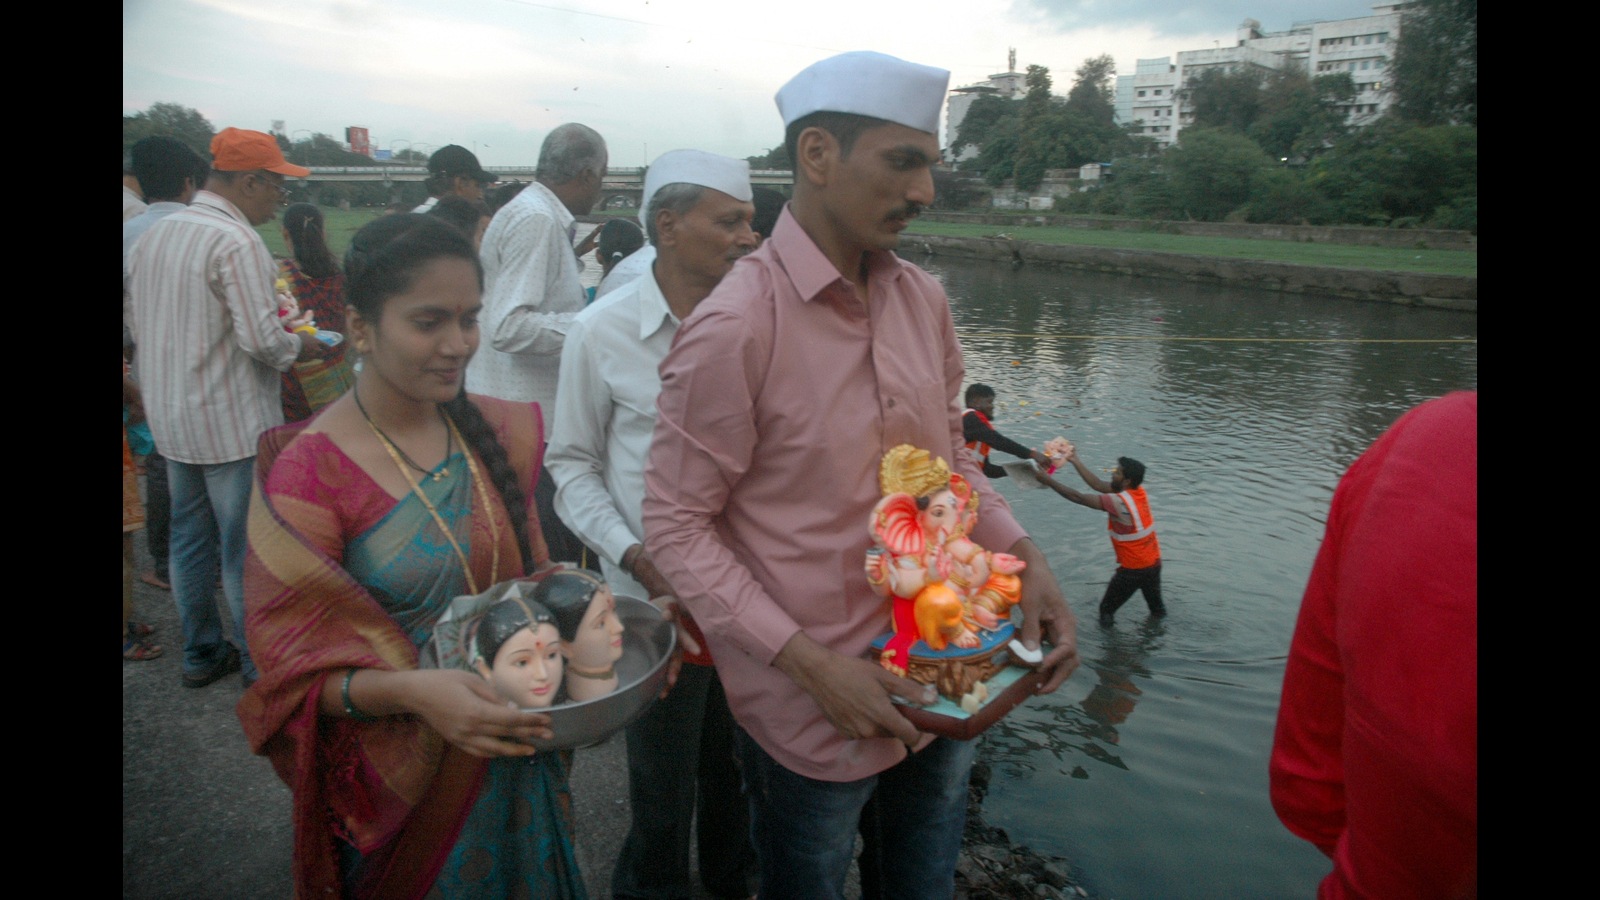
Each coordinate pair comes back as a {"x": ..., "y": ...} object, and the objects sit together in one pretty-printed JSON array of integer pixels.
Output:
[
  {"x": 1058, "y": 449},
  {"x": 945, "y": 591},
  {"x": 591, "y": 632},
  {"x": 518, "y": 650}
]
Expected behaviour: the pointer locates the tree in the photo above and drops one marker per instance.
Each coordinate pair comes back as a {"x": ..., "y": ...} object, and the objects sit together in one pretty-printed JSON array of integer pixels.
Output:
[
  {"x": 1091, "y": 130},
  {"x": 1436, "y": 63},
  {"x": 1092, "y": 93},
  {"x": 983, "y": 116},
  {"x": 776, "y": 158},
  {"x": 322, "y": 150},
  {"x": 1396, "y": 171},
  {"x": 172, "y": 120},
  {"x": 1299, "y": 116},
  {"x": 1213, "y": 171},
  {"x": 1224, "y": 99}
]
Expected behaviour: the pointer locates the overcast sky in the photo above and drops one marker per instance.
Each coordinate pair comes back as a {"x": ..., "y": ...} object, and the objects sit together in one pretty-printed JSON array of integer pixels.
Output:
[{"x": 649, "y": 75}]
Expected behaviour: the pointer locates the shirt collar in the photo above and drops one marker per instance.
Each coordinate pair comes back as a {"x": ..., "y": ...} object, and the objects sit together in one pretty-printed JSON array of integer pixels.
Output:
[
  {"x": 808, "y": 268},
  {"x": 219, "y": 203},
  {"x": 654, "y": 313},
  {"x": 563, "y": 215}
]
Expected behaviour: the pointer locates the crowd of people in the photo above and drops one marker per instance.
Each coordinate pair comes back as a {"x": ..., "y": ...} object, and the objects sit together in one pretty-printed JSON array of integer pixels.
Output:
[{"x": 481, "y": 417}]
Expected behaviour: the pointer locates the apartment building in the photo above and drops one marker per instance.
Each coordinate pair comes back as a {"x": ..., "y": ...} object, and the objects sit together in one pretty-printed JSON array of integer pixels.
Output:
[{"x": 1151, "y": 98}]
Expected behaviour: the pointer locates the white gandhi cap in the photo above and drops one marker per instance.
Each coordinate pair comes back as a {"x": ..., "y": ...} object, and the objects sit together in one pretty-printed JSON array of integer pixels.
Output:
[
  {"x": 866, "y": 83},
  {"x": 723, "y": 173}
]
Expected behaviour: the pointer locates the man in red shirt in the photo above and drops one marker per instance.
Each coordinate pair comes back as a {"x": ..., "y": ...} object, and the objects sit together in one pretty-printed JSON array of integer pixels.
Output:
[
  {"x": 1133, "y": 531},
  {"x": 1375, "y": 757}
]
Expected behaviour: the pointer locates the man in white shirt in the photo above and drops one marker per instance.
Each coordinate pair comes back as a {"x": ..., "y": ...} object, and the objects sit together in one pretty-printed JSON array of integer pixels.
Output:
[
  {"x": 211, "y": 350},
  {"x": 532, "y": 291},
  {"x": 697, "y": 213}
]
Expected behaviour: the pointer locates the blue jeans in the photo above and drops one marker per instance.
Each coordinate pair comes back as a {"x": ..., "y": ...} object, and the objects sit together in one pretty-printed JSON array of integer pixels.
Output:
[
  {"x": 910, "y": 818},
  {"x": 681, "y": 770},
  {"x": 210, "y": 507}
]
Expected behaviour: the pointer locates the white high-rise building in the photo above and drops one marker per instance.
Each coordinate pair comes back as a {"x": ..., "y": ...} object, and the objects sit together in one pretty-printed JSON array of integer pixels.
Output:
[{"x": 1152, "y": 98}]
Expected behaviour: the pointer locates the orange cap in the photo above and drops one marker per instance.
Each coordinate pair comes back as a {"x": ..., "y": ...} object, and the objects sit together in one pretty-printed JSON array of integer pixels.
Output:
[{"x": 238, "y": 150}]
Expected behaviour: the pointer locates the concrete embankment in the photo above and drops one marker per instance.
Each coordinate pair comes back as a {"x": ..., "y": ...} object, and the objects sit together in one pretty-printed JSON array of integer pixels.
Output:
[{"x": 1456, "y": 292}]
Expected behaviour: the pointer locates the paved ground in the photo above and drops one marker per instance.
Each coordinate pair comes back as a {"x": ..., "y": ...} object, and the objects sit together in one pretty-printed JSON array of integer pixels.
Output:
[{"x": 203, "y": 817}]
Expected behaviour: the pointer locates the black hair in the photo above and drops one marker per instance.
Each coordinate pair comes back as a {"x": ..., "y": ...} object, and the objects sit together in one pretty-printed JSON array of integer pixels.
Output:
[
  {"x": 978, "y": 391},
  {"x": 567, "y": 595},
  {"x": 461, "y": 212},
  {"x": 504, "y": 194},
  {"x": 619, "y": 238},
  {"x": 162, "y": 163},
  {"x": 845, "y": 128},
  {"x": 769, "y": 205},
  {"x": 437, "y": 183},
  {"x": 504, "y": 619},
  {"x": 1132, "y": 470},
  {"x": 384, "y": 259},
  {"x": 308, "y": 241}
]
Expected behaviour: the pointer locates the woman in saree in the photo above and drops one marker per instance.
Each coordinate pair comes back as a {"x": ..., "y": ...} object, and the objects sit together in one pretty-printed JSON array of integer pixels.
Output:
[
  {"x": 365, "y": 522},
  {"x": 312, "y": 276}
]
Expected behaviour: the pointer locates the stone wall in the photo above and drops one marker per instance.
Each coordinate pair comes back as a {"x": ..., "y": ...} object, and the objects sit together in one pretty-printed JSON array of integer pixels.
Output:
[{"x": 1439, "y": 291}]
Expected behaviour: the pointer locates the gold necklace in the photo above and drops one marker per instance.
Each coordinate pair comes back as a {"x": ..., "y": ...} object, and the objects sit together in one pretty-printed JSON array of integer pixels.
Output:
[
  {"x": 483, "y": 499},
  {"x": 444, "y": 469}
]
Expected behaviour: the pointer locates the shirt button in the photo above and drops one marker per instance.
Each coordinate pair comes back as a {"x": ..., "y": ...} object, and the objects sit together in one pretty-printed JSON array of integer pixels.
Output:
[{"x": 891, "y": 403}]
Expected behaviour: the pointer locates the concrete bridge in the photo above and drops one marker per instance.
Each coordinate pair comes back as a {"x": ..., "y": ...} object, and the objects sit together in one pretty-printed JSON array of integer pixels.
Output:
[{"x": 622, "y": 188}]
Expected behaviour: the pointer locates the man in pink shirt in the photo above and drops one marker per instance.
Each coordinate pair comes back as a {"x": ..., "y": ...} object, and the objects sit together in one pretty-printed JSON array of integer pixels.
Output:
[{"x": 815, "y": 355}]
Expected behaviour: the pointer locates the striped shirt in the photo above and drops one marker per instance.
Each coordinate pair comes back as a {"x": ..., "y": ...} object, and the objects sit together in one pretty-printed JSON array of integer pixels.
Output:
[{"x": 211, "y": 347}]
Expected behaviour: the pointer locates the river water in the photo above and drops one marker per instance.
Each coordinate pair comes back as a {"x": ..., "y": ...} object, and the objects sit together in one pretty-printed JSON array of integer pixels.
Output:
[{"x": 1147, "y": 770}]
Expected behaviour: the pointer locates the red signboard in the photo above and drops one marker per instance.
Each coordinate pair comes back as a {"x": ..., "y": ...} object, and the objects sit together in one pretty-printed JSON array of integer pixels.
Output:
[{"x": 357, "y": 139}]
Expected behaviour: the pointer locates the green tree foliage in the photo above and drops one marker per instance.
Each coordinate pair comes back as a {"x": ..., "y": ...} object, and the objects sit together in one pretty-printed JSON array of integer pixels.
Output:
[
  {"x": 1436, "y": 63},
  {"x": 1091, "y": 130},
  {"x": 1398, "y": 171},
  {"x": 1281, "y": 195},
  {"x": 1299, "y": 116},
  {"x": 1213, "y": 171},
  {"x": 979, "y": 124},
  {"x": 776, "y": 158},
  {"x": 172, "y": 120},
  {"x": 1092, "y": 91},
  {"x": 997, "y": 156},
  {"x": 1225, "y": 99},
  {"x": 322, "y": 150}
]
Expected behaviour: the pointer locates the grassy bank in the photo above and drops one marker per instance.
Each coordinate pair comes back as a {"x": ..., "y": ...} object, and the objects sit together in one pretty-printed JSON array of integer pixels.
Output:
[
  {"x": 344, "y": 223},
  {"x": 1344, "y": 256}
]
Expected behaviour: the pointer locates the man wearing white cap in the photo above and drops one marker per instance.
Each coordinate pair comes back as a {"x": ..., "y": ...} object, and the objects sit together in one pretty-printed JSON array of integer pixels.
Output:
[
  {"x": 814, "y": 356},
  {"x": 697, "y": 212}
]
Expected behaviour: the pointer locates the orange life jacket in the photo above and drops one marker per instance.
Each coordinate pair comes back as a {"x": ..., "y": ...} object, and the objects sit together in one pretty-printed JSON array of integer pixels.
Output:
[
  {"x": 1135, "y": 543},
  {"x": 978, "y": 450}
]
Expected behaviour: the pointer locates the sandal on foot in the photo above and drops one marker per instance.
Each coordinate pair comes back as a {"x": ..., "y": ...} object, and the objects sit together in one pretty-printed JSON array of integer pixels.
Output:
[
  {"x": 138, "y": 630},
  {"x": 139, "y": 651}
]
